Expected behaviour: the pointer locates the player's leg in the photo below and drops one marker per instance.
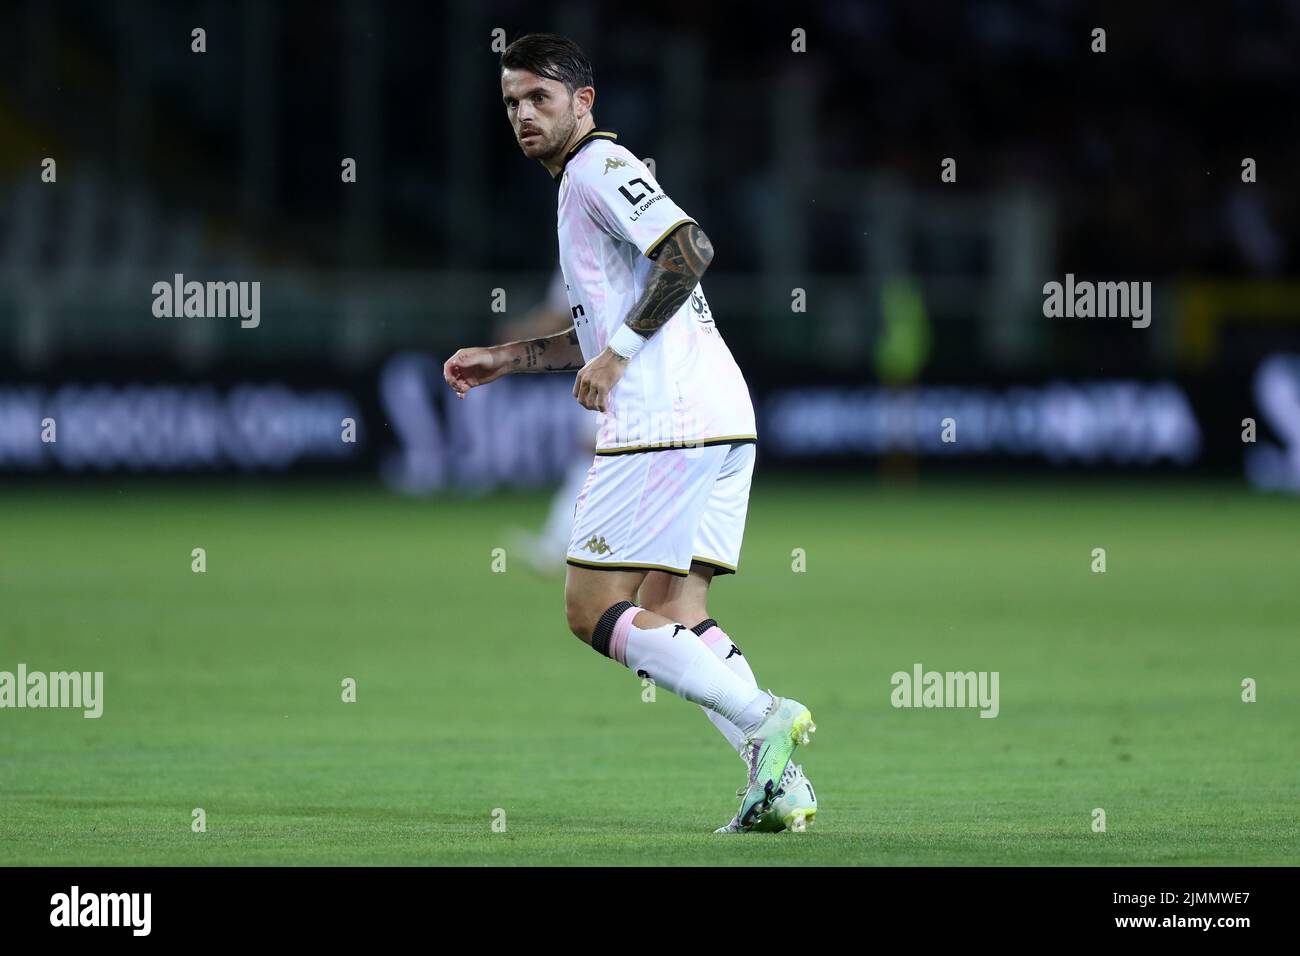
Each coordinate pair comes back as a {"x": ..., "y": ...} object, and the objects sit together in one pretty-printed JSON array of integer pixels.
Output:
[
  {"x": 601, "y": 613},
  {"x": 715, "y": 551},
  {"x": 686, "y": 599},
  {"x": 559, "y": 520},
  {"x": 681, "y": 598},
  {"x": 716, "y": 544},
  {"x": 544, "y": 551},
  {"x": 638, "y": 513}
]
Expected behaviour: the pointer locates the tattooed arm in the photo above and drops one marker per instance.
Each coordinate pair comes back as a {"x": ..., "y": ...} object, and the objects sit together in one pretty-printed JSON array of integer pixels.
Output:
[
  {"x": 469, "y": 368},
  {"x": 552, "y": 353},
  {"x": 679, "y": 262}
]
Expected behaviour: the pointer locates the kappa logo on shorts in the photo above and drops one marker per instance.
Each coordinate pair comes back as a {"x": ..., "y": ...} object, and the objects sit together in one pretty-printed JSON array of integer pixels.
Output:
[
  {"x": 612, "y": 163},
  {"x": 596, "y": 545}
]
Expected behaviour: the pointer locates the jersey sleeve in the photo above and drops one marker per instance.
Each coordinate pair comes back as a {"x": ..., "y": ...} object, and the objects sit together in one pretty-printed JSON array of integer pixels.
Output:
[{"x": 627, "y": 203}]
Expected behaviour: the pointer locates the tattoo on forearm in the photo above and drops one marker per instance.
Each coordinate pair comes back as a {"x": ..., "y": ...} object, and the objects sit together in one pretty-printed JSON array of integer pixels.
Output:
[
  {"x": 532, "y": 354},
  {"x": 679, "y": 263}
]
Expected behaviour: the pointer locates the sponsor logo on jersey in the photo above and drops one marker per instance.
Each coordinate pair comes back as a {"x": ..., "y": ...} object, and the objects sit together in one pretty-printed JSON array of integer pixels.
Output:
[
  {"x": 596, "y": 545},
  {"x": 613, "y": 163},
  {"x": 644, "y": 206},
  {"x": 701, "y": 309}
]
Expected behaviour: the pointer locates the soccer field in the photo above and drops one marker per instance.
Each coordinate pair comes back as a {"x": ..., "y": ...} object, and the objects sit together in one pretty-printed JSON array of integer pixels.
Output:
[{"x": 222, "y": 690}]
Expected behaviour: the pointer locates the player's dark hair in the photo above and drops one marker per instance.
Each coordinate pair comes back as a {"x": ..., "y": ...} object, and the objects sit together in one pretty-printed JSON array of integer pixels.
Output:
[{"x": 550, "y": 56}]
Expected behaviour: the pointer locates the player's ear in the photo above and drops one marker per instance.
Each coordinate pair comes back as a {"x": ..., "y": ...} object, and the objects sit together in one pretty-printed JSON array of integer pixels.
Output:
[{"x": 584, "y": 97}]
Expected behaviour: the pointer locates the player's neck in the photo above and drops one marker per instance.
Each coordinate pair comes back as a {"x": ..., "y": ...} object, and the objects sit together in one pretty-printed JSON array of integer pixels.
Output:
[{"x": 585, "y": 126}]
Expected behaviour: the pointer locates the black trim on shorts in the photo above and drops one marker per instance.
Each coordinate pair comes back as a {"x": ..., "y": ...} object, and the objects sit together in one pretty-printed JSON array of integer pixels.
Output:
[
  {"x": 647, "y": 568},
  {"x": 643, "y": 449},
  {"x": 717, "y": 568}
]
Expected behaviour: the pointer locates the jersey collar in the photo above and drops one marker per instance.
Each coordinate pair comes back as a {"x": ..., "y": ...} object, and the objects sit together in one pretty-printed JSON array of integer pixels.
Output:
[{"x": 593, "y": 135}]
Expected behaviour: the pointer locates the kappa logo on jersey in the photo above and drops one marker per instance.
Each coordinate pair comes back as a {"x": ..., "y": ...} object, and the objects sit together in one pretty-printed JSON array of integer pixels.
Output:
[
  {"x": 607, "y": 227},
  {"x": 596, "y": 545},
  {"x": 734, "y": 650}
]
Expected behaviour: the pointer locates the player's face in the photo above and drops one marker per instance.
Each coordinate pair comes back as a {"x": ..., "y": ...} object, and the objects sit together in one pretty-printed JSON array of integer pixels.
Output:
[{"x": 540, "y": 111}]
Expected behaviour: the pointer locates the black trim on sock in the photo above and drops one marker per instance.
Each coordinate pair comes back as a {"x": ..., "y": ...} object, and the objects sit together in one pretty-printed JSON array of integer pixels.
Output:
[
  {"x": 604, "y": 631},
  {"x": 703, "y": 626}
]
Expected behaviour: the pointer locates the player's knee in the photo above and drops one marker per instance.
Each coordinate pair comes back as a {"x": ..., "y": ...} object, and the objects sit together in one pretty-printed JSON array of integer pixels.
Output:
[
  {"x": 582, "y": 620},
  {"x": 683, "y": 612}
]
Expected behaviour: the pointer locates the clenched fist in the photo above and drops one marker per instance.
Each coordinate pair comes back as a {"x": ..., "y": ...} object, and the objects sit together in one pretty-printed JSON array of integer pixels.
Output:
[
  {"x": 597, "y": 379},
  {"x": 471, "y": 367}
]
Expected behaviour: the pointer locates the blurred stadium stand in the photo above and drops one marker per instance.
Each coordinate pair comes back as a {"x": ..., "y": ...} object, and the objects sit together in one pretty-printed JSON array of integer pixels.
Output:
[{"x": 816, "y": 171}]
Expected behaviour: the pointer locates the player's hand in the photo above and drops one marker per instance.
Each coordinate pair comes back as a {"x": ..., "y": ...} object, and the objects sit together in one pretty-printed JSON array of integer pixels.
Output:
[
  {"x": 471, "y": 367},
  {"x": 597, "y": 379}
]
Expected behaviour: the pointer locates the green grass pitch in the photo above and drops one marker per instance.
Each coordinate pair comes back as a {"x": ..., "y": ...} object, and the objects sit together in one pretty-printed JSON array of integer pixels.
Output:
[{"x": 1119, "y": 690}]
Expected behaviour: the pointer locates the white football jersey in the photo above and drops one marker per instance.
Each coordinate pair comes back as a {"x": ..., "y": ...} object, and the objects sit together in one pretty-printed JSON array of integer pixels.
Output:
[{"x": 683, "y": 387}]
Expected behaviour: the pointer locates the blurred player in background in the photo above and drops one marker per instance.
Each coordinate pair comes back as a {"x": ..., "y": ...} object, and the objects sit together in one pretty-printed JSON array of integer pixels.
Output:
[
  {"x": 544, "y": 550},
  {"x": 662, "y": 510}
]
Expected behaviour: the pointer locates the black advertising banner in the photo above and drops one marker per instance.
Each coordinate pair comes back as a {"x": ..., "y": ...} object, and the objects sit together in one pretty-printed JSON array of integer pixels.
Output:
[{"x": 399, "y": 421}]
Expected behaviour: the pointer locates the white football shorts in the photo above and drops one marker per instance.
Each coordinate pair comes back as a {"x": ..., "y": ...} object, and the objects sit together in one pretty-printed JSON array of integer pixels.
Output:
[{"x": 662, "y": 510}]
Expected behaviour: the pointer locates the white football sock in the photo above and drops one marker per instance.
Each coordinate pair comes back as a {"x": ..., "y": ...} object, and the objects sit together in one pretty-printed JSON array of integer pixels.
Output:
[
  {"x": 675, "y": 658},
  {"x": 716, "y": 639}
]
